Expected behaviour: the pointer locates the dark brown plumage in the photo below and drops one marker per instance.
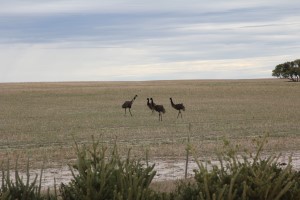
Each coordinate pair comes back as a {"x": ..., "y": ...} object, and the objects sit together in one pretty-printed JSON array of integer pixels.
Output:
[
  {"x": 158, "y": 108},
  {"x": 128, "y": 104},
  {"x": 178, "y": 107}
]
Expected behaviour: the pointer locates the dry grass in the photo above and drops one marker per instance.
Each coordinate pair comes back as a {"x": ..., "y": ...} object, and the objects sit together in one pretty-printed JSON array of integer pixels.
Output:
[
  {"x": 40, "y": 120},
  {"x": 167, "y": 186}
]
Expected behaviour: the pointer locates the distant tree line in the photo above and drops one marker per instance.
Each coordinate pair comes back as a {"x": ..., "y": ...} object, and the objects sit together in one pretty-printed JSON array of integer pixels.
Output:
[{"x": 289, "y": 70}]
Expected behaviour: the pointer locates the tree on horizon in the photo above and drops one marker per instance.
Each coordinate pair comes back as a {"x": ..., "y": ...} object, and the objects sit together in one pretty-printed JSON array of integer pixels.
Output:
[{"x": 288, "y": 70}]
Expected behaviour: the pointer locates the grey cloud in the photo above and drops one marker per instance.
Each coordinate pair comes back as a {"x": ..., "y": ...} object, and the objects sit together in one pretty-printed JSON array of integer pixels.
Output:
[{"x": 169, "y": 31}]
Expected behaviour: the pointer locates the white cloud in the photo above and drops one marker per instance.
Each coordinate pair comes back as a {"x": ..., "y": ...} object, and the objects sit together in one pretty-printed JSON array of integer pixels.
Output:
[
  {"x": 50, "y": 63},
  {"x": 42, "y": 7}
]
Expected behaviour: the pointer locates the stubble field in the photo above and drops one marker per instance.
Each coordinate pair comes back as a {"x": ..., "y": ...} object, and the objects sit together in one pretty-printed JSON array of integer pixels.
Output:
[{"x": 40, "y": 121}]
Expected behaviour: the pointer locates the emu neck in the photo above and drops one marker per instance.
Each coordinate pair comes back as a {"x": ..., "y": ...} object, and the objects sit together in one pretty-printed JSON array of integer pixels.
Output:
[
  {"x": 172, "y": 102},
  {"x": 133, "y": 99},
  {"x": 152, "y": 103}
]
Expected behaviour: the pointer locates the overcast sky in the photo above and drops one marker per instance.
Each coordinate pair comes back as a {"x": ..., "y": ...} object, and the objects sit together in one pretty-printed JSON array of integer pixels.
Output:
[{"x": 112, "y": 40}]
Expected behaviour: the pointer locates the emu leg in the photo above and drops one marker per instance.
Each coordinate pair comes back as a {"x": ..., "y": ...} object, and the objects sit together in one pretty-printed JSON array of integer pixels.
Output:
[
  {"x": 125, "y": 111},
  {"x": 130, "y": 112},
  {"x": 178, "y": 114}
]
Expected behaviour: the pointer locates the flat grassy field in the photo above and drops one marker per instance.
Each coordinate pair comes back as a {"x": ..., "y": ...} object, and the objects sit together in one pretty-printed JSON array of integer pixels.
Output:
[{"x": 42, "y": 120}]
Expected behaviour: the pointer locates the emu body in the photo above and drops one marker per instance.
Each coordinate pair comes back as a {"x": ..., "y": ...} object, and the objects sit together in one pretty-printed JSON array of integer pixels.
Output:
[
  {"x": 178, "y": 107},
  {"x": 158, "y": 108},
  {"x": 128, "y": 104}
]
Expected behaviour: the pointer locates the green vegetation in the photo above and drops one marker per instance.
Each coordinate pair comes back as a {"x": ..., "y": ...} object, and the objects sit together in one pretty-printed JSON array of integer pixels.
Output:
[
  {"x": 243, "y": 177},
  {"x": 22, "y": 188},
  {"x": 102, "y": 176},
  {"x": 290, "y": 70},
  {"x": 97, "y": 175}
]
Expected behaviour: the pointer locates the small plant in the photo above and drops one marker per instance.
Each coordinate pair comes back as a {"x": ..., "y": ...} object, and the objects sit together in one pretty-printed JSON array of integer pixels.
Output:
[
  {"x": 19, "y": 188},
  {"x": 107, "y": 177},
  {"x": 243, "y": 178}
]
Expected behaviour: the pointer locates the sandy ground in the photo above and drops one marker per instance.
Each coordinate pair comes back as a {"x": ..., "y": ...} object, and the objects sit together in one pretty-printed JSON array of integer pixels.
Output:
[{"x": 167, "y": 169}]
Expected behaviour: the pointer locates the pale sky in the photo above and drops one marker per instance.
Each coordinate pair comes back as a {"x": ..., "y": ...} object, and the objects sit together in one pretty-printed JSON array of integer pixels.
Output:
[{"x": 113, "y": 40}]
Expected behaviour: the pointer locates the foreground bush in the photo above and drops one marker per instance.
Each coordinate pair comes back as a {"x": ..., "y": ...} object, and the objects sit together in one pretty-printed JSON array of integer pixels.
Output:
[
  {"x": 20, "y": 188},
  {"x": 243, "y": 178},
  {"x": 101, "y": 176}
]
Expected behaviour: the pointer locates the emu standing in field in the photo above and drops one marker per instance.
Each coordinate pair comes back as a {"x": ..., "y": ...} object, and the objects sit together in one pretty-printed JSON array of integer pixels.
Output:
[
  {"x": 178, "y": 107},
  {"x": 150, "y": 105},
  {"x": 128, "y": 104},
  {"x": 158, "y": 108}
]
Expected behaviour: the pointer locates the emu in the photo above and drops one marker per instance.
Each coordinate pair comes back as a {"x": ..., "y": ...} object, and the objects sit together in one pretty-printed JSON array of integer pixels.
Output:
[
  {"x": 150, "y": 105},
  {"x": 158, "y": 108},
  {"x": 128, "y": 104},
  {"x": 178, "y": 107}
]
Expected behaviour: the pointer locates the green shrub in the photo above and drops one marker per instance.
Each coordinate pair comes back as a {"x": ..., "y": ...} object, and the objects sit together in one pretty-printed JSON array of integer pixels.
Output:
[
  {"x": 243, "y": 178},
  {"x": 21, "y": 189},
  {"x": 99, "y": 176}
]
